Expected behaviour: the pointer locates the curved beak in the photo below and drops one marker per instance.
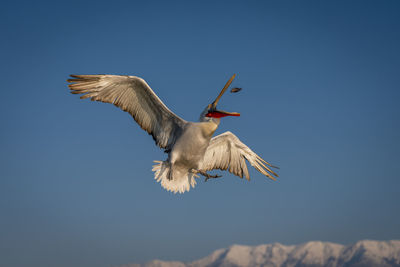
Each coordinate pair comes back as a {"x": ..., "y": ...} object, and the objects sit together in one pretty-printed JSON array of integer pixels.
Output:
[{"x": 220, "y": 113}]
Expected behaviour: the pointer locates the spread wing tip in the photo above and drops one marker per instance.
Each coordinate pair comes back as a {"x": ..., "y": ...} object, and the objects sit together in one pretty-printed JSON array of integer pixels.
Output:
[
  {"x": 86, "y": 75},
  {"x": 226, "y": 151}
]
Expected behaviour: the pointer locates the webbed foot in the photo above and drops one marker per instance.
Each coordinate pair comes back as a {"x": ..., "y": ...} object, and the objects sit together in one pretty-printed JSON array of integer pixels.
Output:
[{"x": 208, "y": 176}]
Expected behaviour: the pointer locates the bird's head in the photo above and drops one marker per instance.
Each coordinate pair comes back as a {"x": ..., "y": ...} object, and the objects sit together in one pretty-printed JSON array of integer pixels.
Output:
[{"x": 211, "y": 113}]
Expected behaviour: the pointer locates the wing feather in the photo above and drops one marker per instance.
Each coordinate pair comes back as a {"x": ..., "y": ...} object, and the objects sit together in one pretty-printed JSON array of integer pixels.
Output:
[
  {"x": 133, "y": 95},
  {"x": 227, "y": 151}
]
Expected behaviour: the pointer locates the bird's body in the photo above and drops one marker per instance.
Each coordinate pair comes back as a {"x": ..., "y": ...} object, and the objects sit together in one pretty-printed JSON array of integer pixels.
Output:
[{"x": 190, "y": 146}]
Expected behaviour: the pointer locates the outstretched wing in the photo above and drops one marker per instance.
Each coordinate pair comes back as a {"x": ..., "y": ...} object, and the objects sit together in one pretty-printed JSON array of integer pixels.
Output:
[
  {"x": 227, "y": 152},
  {"x": 134, "y": 95}
]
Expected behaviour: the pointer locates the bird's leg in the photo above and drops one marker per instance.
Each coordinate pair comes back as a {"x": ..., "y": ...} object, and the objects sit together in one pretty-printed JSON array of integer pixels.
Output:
[
  {"x": 169, "y": 174},
  {"x": 208, "y": 176}
]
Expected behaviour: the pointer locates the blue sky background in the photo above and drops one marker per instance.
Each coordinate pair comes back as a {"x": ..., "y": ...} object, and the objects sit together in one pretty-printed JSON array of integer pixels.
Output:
[{"x": 320, "y": 99}]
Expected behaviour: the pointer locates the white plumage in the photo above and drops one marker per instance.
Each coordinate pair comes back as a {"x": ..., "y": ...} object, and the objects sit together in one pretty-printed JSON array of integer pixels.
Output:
[
  {"x": 190, "y": 147},
  {"x": 227, "y": 152}
]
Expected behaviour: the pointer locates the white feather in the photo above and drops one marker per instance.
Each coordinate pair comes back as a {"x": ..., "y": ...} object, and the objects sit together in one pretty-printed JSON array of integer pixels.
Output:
[
  {"x": 132, "y": 94},
  {"x": 181, "y": 182},
  {"x": 227, "y": 151}
]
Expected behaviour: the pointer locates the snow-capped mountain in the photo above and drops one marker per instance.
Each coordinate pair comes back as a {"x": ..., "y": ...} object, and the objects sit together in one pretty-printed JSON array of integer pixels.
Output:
[{"x": 364, "y": 253}]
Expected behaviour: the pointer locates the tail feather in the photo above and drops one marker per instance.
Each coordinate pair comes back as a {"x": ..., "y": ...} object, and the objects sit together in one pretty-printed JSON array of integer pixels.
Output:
[{"x": 181, "y": 182}]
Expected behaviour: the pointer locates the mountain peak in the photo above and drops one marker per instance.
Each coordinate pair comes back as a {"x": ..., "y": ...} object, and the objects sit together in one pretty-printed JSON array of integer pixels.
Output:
[{"x": 366, "y": 253}]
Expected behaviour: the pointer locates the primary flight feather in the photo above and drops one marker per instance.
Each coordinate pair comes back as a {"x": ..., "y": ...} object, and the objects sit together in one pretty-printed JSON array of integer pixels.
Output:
[{"x": 190, "y": 146}]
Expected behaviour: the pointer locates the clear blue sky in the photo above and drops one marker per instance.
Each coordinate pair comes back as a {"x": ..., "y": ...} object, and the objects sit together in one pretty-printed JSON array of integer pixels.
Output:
[{"x": 320, "y": 99}]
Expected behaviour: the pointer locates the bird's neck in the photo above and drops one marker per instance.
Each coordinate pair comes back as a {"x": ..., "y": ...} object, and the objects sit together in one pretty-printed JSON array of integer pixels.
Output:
[{"x": 209, "y": 127}]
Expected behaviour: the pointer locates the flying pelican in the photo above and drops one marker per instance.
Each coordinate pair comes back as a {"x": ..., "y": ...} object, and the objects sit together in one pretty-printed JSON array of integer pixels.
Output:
[{"x": 190, "y": 146}]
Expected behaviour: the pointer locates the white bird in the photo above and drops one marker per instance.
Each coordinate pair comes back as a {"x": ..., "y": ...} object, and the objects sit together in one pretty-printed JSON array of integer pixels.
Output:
[{"x": 190, "y": 146}]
